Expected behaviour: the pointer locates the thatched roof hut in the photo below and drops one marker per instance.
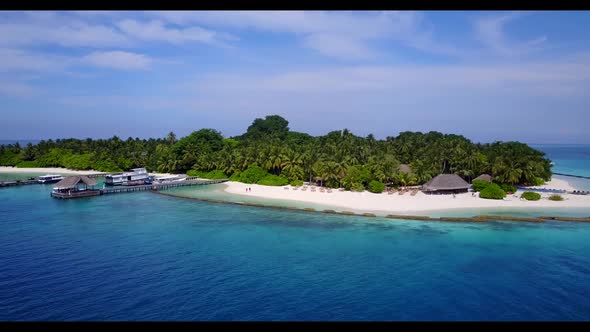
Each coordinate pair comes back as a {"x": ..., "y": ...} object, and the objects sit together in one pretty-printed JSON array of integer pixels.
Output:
[
  {"x": 72, "y": 181},
  {"x": 404, "y": 168},
  {"x": 446, "y": 183},
  {"x": 484, "y": 177}
]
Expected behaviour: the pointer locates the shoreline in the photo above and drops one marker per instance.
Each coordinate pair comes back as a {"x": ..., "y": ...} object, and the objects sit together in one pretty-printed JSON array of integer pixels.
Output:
[
  {"x": 56, "y": 170},
  {"x": 367, "y": 202},
  {"x": 479, "y": 218},
  {"x": 46, "y": 170},
  {"x": 420, "y": 203}
]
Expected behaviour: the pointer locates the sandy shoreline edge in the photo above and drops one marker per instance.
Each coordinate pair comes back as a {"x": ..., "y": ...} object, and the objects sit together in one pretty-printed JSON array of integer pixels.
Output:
[
  {"x": 56, "y": 170},
  {"x": 384, "y": 203},
  {"x": 369, "y": 202}
]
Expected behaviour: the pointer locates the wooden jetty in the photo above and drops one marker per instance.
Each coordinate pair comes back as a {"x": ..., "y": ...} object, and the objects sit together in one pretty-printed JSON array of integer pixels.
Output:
[
  {"x": 573, "y": 176},
  {"x": 159, "y": 186},
  {"x": 146, "y": 187},
  {"x": 17, "y": 183},
  {"x": 13, "y": 183}
]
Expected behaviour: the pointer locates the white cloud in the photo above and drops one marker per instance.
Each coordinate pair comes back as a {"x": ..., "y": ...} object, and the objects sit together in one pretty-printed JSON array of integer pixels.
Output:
[
  {"x": 19, "y": 60},
  {"x": 339, "y": 46},
  {"x": 47, "y": 29},
  {"x": 534, "y": 79},
  {"x": 156, "y": 31},
  {"x": 118, "y": 60},
  {"x": 95, "y": 29},
  {"x": 17, "y": 89},
  {"x": 14, "y": 60},
  {"x": 490, "y": 31},
  {"x": 337, "y": 34}
]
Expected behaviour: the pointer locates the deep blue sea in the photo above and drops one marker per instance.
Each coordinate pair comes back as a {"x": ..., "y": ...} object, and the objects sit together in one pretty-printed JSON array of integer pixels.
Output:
[{"x": 143, "y": 256}]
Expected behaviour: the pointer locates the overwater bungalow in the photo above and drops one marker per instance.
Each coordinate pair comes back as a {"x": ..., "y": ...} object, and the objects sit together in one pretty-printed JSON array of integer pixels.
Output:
[
  {"x": 446, "y": 184},
  {"x": 75, "y": 187},
  {"x": 484, "y": 177}
]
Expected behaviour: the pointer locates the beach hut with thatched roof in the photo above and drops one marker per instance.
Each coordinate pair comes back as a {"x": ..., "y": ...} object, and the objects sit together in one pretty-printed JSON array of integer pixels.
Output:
[
  {"x": 446, "y": 184},
  {"x": 405, "y": 168},
  {"x": 75, "y": 186},
  {"x": 484, "y": 177}
]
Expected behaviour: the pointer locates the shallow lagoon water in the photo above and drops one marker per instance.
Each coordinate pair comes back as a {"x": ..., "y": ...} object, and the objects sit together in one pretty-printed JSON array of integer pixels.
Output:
[{"x": 142, "y": 256}]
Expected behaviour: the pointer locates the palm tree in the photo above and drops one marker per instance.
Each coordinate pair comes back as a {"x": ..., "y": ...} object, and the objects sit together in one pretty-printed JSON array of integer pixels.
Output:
[
  {"x": 422, "y": 172},
  {"x": 401, "y": 178},
  {"x": 507, "y": 172},
  {"x": 332, "y": 172},
  {"x": 291, "y": 163},
  {"x": 171, "y": 138},
  {"x": 318, "y": 169}
]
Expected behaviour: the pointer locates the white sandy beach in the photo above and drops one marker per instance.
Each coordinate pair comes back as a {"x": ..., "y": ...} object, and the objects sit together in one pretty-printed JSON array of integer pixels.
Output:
[
  {"x": 367, "y": 201},
  {"x": 45, "y": 170},
  {"x": 56, "y": 170}
]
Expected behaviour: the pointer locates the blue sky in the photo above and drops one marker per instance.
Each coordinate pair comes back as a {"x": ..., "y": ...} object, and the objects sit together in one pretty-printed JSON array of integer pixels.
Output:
[{"x": 486, "y": 75}]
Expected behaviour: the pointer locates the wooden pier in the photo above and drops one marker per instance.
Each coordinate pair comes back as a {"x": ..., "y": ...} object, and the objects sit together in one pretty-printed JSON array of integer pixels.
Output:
[
  {"x": 129, "y": 189},
  {"x": 159, "y": 186},
  {"x": 13, "y": 183},
  {"x": 573, "y": 176},
  {"x": 17, "y": 183}
]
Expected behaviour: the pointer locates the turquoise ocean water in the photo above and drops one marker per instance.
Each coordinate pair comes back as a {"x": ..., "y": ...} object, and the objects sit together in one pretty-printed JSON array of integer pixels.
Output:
[
  {"x": 569, "y": 159},
  {"x": 143, "y": 256}
]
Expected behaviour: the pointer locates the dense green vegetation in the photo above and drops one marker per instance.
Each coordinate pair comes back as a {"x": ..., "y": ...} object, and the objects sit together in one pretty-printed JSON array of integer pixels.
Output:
[
  {"x": 273, "y": 180},
  {"x": 269, "y": 147},
  {"x": 479, "y": 185},
  {"x": 555, "y": 197},
  {"x": 376, "y": 187},
  {"x": 531, "y": 196},
  {"x": 296, "y": 183},
  {"x": 508, "y": 188},
  {"x": 492, "y": 191},
  {"x": 212, "y": 175}
]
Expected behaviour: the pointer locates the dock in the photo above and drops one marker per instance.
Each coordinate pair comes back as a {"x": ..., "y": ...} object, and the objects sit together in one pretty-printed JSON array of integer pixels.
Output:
[
  {"x": 12, "y": 183},
  {"x": 573, "y": 176},
  {"x": 129, "y": 189},
  {"x": 159, "y": 186},
  {"x": 17, "y": 183}
]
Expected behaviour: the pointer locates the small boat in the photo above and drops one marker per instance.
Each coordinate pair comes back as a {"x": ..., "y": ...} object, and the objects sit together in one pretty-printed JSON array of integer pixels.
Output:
[
  {"x": 50, "y": 178},
  {"x": 169, "y": 178},
  {"x": 137, "y": 176}
]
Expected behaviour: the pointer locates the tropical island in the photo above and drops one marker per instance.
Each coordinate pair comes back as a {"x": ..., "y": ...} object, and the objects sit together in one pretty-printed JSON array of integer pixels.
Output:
[{"x": 270, "y": 155}]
